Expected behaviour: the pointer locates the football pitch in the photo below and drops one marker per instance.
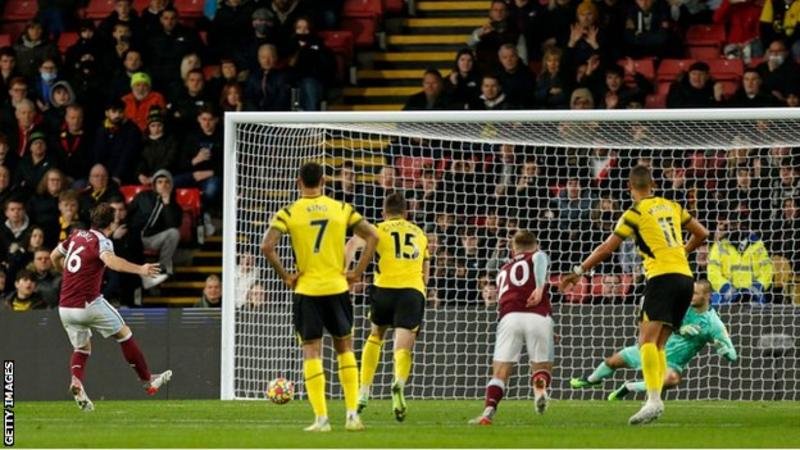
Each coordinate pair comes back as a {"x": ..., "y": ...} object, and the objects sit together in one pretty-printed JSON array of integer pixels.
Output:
[{"x": 430, "y": 423}]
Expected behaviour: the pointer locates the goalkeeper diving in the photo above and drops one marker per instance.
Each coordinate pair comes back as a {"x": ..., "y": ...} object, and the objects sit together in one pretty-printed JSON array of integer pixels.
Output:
[{"x": 701, "y": 325}]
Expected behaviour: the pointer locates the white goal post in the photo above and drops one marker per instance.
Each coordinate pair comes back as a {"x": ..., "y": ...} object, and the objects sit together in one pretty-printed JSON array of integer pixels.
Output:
[{"x": 471, "y": 179}]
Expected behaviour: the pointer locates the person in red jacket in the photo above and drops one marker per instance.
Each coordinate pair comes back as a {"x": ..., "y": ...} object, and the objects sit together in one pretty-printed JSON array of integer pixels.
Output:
[
  {"x": 741, "y": 20},
  {"x": 141, "y": 99}
]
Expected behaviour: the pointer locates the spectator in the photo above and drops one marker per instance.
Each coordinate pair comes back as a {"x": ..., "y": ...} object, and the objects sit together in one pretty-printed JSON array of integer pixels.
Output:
[
  {"x": 487, "y": 39},
  {"x": 647, "y": 29},
  {"x": 779, "y": 20},
  {"x": 492, "y": 95},
  {"x": 611, "y": 18},
  {"x": 427, "y": 199},
  {"x": 69, "y": 218},
  {"x": 286, "y": 12},
  {"x": 787, "y": 185},
  {"x": 8, "y": 71},
  {"x": 613, "y": 290},
  {"x": 268, "y": 86},
  {"x": 7, "y": 190},
  {"x": 88, "y": 43},
  {"x": 516, "y": 78},
  {"x": 32, "y": 48},
  {"x": 585, "y": 37},
  {"x": 232, "y": 98},
  {"x": 24, "y": 297},
  {"x": 741, "y": 21},
  {"x": 159, "y": 149},
  {"x": 120, "y": 286},
  {"x": 48, "y": 281},
  {"x": 123, "y": 14},
  {"x": 99, "y": 190},
  {"x": 61, "y": 96},
  {"x": 573, "y": 206},
  {"x": 345, "y": 186},
  {"x": 695, "y": 90},
  {"x": 615, "y": 94},
  {"x": 553, "y": 86},
  {"x": 247, "y": 275},
  {"x": 228, "y": 74},
  {"x": 779, "y": 72},
  {"x": 34, "y": 164},
  {"x": 264, "y": 31},
  {"x": 529, "y": 18},
  {"x": 489, "y": 294},
  {"x": 190, "y": 100},
  {"x": 581, "y": 99},
  {"x": 750, "y": 95},
  {"x": 739, "y": 267},
  {"x": 156, "y": 216},
  {"x": 141, "y": 100},
  {"x": 312, "y": 63},
  {"x": 44, "y": 82},
  {"x": 202, "y": 157},
  {"x": 150, "y": 16},
  {"x": 20, "y": 256},
  {"x": 385, "y": 183},
  {"x": 17, "y": 92},
  {"x": 71, "y": 145},
  {"x": 89, "y": 84},
  {"x": 120, "y": 44},
  {"x": 462, "y": 86},
  {"x": 43, "y": 206},
  {"x": 432, "y": 96},
  {"x": 121, "y": 81},
  {"x": 14, "y": 232},
  {"x": 117, "y": 144},
  {"x": 212, "y": 293},
  {"x": 28, "y": 123},
  {"x": 7, "y": 159},
  {"x": 229, "y": 29},
  {"x": 168, "y": 46},
  {"x": 785, "y": 233}
]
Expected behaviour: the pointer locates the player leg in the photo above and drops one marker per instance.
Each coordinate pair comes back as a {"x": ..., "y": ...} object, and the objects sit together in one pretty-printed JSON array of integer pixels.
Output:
[
  {"x": 135, "y": 358},
  {"x": 308, "y": 329},
  {"x": 495, "y": 389},
  {"x": 409, "y": 310},
  {"x": 80, "y": 338},
  {"x": 541, "y": 351},
  {"x": 649, "y": 333},
  {"x": 370, "y": 356},
  {"x": 338, "y": 319},
  {"x": 603, "y": 371},
  {"x": 507, "y": 349},
  {"x": 672, "y": 379}
]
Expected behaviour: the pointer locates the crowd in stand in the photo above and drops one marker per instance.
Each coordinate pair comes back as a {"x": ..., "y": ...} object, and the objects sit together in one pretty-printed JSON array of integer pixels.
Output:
[{"x": 579, "y": 54}]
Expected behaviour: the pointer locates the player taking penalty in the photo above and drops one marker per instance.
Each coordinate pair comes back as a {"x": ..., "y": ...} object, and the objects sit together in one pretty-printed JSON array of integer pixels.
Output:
[
  {"x": 318, "y": 226},
  {"x": 83, "y": 257},
  {"x": 397, "y": 297},
  {"x": 657, "y": 224},
  {"x": 701, "y": 326},
  {"x": 525, "y": 319}
]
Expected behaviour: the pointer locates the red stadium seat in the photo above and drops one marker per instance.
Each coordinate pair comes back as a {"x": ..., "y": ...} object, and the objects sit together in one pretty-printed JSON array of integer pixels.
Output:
[
  {"x": 729, "y": 87},
  {"x": 754, "y": 62},
  {"x": 66, "y": 40},
  {"x": 707, "y": 35},
  {"x": 189, "y": 201},
  {"x": 189, "y": 8},
  {"x": 704, "y": 51},
  {"x": 210, "y": 72},
  {"x": 5, "y": 40},
  {"x": 726, "y": 69},
  {"x": 20, "y": 10},
  {"x": 359, "y": 8},
  {"x": 129, "y": 192},
  {"x": 99, "y": 9},
  {"x": 140, "y": 5},
  {"x": 410, "y": 168},
  {"x": 669, "y": 69},
  {"x": 13, "y": 29},
  {"x": 393, "y": 6},
  {"x": 363, "y": 29},
  {"x": 656, "y": 101},
  {"x": 342, "y": 45}
]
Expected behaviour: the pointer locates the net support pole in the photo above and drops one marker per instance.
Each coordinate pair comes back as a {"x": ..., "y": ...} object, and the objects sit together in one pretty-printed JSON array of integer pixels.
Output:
[{"x": 227, "y": 354}]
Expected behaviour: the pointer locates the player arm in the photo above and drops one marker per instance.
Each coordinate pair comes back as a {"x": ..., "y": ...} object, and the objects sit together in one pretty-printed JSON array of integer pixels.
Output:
[
  {"x": 699, "y": 235},
  {"x": 118, "y": 264},
  {"x": 354, "y": 244},
  {"x": 268, "y": 246},
  {"x": 600, "y": 253},
  {"x": 57, "y": 256},
  {"x": 369, "y": 234},
  {"x": 723, "y": 343}
]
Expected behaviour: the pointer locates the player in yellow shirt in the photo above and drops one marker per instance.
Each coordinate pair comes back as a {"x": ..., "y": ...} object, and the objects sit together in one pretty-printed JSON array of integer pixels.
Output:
[
  {"x": 318, "y": 226},
  {"x": 657, "y": 224},
  {"x": 398, "y": 297}
]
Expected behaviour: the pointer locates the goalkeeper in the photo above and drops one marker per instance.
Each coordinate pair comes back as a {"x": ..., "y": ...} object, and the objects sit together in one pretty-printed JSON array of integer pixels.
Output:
[{"x": 701, "y": 326}]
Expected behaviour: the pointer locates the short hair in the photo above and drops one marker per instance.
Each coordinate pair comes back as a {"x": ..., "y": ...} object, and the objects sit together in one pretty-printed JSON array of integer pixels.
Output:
[
  {"x": 524, "y": 239},
  {"x": 208, "y": 108},
  {"x": 311, "y": 174},
  {"x": 69, "y": 195},
  {"x": 14, "y": 199},
  {"x": 213, "y": 277},
  {"x": 17, "y": 80},
  {"x": 102, "y": 216},
  {"x": 753, "y": 70},
  {"x": 434, "y": 72},
  {"x": 395, "y": 204},
  {"x": 25, "y": 274},
  {"x": 8, "y": 51},
  {"x": 197, "y": 71},
  {"x": 641, "y": 177},
  {"x": 166, "y": 10}
]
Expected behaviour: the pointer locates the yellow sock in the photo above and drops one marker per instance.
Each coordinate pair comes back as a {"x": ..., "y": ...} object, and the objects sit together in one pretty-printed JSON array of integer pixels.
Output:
[
  {"x": 662, "y": 366},
  {"x": 348, "y": 377},
  {"x": 315, "y": 386},
  {"x": 402, "y": 365},
  {"x": 369, "y": 360},
  {"x": 651, "y": 367}
]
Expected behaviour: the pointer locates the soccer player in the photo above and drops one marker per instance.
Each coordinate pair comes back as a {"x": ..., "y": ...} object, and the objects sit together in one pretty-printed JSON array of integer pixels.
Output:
[
  {"x": 701, "y": 326},
  {"x": 318, "y": 226},
  {"x": 525, "y": 319},
  {"x": 398, "y": 297},
  {"x": 83, "y": 257},
  {"x": 657, "y": 224}
]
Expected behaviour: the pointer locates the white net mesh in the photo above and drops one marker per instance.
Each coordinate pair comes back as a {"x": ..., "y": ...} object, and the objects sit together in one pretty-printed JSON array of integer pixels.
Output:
[{"x": 471, "y": 185}]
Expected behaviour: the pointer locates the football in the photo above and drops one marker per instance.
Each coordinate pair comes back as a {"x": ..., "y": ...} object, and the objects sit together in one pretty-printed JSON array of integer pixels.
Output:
[{"x": 280, "y": 391}]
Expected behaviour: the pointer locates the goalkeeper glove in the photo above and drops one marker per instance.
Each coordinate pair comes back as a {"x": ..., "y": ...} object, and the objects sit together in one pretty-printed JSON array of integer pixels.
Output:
[
  {"x": 690, "y": 330},
  {"x": 724, "y": 350}
]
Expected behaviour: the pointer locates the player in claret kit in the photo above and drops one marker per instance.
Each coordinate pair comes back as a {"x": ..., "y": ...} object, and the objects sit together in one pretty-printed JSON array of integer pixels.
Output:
[
  {"x": 525, "y": 319},
  {"x": 83, "y": 256}
]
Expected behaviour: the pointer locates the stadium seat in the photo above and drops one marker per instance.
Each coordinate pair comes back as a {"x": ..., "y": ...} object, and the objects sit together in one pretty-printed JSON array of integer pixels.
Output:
[
  {"x": 755, "y": 62},
  {"x": 393, "y": 6},
  {"x": 66, "y": 40},
  {"x": 5, "y": 40},
  {"x": 706, "y": 35},
  {"x": 341, "y": 43},
  {"x": 130, "y": 191},
  {"x": 23, "y": 10},
  {"x": 410, "y": 169},
  {"x": 189, "y": 8},
  {"x": 726, "y": 69},
  {"x": 210, "y": 72},
  {"x": 669, "y": 69},
  {"x": 645, "y": 66},
  {"x": 729, "y": 87},
  {"x": 363, "y": 29},
  {"x": 12, "y": 29},
  {"x": 656, "y": 101},
  {"x": 140, "y": 5},
  {"x": 703, "y": 52},
  {"x": 360, "y": 8},
  {"x": 189, "y": 201},
  {"x": 99, "y": 9}
]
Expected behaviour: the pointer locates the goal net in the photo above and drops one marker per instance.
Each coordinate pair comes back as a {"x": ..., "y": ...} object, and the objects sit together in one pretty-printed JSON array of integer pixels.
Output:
[{"x": 472, "y": 179}]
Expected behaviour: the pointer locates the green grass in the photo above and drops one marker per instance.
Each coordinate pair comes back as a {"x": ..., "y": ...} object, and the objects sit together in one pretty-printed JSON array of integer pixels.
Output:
[{"x": 429, "y": 424}]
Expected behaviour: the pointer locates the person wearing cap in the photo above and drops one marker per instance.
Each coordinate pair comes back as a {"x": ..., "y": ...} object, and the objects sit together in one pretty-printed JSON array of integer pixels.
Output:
[
  {"x": 141, "y": 100},
  {"x": 34, "y": 164},
  {"x": 695, "y": 90},
  {"x": 159, "y": 149},
  {"x": 156, "y": 216},
  {"x": 117, "y": 144}
]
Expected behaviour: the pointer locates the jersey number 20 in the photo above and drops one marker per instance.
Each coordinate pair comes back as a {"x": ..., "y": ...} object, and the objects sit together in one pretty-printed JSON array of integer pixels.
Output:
[{"x": 515, "y": 275}]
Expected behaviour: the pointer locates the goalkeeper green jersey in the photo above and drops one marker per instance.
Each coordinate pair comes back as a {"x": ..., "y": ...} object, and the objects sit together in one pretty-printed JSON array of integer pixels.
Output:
[{"x": 698, "y": 329}]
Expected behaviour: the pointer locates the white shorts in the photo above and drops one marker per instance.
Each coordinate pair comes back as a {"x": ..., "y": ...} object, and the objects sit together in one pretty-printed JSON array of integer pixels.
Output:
[
  {"x": 519, "y": 328},
  {"x": 98, "y": 315}
]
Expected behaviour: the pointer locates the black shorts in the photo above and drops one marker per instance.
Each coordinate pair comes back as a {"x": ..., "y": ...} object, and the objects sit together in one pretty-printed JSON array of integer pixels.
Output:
[
  {"x": 666, "y": 299},
  {"x": 398, "y": 308},
  {"x": 313, "y": 313}
]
